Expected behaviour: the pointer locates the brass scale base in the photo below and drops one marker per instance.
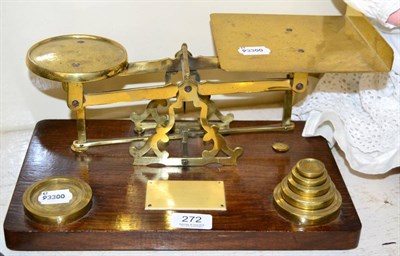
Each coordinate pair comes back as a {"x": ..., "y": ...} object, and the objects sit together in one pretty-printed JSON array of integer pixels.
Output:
[{"x": 118, "y": 220}]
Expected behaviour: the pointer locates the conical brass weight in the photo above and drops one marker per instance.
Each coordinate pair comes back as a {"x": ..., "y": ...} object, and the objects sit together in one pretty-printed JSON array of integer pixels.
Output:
[{"x": 307, "y": 196}]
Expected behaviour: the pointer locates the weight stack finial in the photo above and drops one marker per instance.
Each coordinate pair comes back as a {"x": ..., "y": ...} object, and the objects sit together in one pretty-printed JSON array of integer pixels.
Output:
[{"x": 307, "y": 196}]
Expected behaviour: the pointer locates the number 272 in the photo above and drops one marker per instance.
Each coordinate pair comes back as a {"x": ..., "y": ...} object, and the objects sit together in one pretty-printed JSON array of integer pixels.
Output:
[{"x": 191, "y": 219}]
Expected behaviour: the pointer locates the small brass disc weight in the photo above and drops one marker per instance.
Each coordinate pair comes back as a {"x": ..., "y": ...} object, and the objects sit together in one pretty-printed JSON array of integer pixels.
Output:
[
  {"x": 77, "y": 58},
  {"x": 280, "y": 147},
  {"x": 57, "y": 200}
]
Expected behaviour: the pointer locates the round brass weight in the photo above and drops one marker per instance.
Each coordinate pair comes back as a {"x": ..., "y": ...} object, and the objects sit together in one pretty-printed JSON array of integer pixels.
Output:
[
  {"x": 280, "y": 147},
  {"x": 77, "y": 58},
  {"x": 307, "y": 196},
  {"x": 57, "y": 200}
]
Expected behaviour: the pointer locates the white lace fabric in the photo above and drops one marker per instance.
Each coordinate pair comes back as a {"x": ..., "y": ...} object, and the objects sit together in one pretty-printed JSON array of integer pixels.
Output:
[{"x": 361, "y": 112}]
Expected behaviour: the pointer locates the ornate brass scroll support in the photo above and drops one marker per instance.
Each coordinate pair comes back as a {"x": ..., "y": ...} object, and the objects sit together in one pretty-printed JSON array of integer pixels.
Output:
[{"x": 187, "y": 92}]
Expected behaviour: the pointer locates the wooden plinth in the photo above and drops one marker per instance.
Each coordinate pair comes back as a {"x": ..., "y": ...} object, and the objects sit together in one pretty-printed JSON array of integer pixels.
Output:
[{"x": 117, "y": 219}]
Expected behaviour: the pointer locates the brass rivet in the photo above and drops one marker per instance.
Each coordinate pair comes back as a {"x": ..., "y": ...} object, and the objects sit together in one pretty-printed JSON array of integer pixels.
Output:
[
  {"x": 280, "y": 147},
  {"x": 75, "y": 103},
  {"x": 299, "y": 86},
  {"x": 185, "y": 162},
  {"x": 188, "y": 88}
]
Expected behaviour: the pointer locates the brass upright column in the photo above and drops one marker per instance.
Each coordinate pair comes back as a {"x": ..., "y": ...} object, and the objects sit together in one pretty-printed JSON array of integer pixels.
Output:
[{"x": 75, "y": 103}]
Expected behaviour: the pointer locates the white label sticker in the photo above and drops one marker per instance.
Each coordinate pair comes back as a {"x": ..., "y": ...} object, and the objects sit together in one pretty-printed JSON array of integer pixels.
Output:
[
  {"x": 61, "y": 196},
  {"x": 191, "y": 221},
  {"x": 254, "y": 50}
]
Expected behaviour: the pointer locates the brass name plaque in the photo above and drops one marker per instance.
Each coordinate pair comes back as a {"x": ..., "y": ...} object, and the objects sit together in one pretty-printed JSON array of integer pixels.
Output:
[{"x": 185, "y": 195}]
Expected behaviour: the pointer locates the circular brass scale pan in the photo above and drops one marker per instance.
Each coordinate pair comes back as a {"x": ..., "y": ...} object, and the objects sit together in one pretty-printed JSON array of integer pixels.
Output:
[
  {"x": 57, "y": 213},
  {"x": 307, "y": 196},
  {"x": 77, "y": 58}
]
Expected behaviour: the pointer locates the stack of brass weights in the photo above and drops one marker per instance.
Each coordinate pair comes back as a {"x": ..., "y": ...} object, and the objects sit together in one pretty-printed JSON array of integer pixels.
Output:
[{"x": 307, "y": 196}]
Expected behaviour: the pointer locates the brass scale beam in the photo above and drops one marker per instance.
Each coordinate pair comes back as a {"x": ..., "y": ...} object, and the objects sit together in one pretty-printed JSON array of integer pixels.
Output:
[
  {"x": 189, "y": 89},
  {"x": 311, "y": 40}
]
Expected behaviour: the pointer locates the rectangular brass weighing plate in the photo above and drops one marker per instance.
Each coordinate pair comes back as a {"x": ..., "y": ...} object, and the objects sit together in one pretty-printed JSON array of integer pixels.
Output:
[
  {"x": 185, "y": 195},
  {"x": 310, "y": 44}
]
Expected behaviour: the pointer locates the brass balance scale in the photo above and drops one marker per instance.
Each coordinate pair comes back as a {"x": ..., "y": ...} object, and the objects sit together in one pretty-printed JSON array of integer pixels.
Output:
[{"x": 210, "y": 165}]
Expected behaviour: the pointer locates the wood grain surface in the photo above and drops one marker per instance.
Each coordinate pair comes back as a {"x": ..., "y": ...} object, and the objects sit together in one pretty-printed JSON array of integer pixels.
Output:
[{"x": 117, "y": 219}]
